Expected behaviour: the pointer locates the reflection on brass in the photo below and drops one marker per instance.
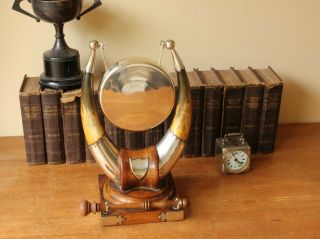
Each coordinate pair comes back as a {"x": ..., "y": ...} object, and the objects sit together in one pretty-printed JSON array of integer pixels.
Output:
[
  {"x": 136, "y": 94},
  {"x": 170, "y": 216},
  {"x": 112, "y": 220},
  {"x": 139, "y": 167},
  {"x": 106, "y": 155}
]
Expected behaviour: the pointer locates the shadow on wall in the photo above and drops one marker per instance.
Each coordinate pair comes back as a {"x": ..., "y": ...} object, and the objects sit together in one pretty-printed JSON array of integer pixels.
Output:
[
  {"x": 106, "y": 25},
  {"x": 103, "y": 22},
  {"x": 296, "y": 100}
]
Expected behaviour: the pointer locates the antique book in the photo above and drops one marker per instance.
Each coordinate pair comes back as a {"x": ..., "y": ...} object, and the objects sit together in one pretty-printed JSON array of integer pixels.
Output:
[
  {"x": 193, "y": 146},
  {"x": 31, "y": 114},
  {"x": 116, "y": 134},
  {"x": 74, "y": 142},
  {"x": 212, "y": 110},
  {"x": 134, "y": 140},
  {"x": 154, "y": 135},
  {"x": 270, "y": 108},
  {"x": 89, "y": 157},
  {"x": 111, "y": 131},
  {"x": 53, "y": 127},
  {"x": 121, "y": 140},
  {"x": 251, "y": 110},
  {"x": 232, "y": 101}
]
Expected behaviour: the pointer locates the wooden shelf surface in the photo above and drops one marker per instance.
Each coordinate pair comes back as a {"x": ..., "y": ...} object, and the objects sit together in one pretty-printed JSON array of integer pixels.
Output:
[{"x": 278, "y": 198}]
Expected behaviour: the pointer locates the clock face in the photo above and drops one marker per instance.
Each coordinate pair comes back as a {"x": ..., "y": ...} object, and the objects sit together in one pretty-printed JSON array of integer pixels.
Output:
[{"x": 236, "y": 161}]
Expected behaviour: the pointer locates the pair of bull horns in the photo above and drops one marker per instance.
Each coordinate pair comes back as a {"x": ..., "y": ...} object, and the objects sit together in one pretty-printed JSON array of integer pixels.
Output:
[{"x": 169, "y": 148}]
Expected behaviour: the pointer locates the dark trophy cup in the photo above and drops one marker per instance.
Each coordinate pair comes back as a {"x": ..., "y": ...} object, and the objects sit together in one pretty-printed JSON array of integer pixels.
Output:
[{"x": 61, "y": 63}]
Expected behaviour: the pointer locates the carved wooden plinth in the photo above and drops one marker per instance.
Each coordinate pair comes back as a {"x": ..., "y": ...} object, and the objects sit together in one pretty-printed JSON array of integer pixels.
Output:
[
  {"x": 141, "y": 196},
  {"x": 136, "y": 206}
]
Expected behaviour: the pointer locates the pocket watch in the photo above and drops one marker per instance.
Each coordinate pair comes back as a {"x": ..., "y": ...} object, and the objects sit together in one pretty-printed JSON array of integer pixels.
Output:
[{"x": 233, "y": 153}]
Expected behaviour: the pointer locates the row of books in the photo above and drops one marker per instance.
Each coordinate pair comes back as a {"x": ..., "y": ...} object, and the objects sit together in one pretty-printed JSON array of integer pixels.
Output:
[{"x": 223, "y": 101}]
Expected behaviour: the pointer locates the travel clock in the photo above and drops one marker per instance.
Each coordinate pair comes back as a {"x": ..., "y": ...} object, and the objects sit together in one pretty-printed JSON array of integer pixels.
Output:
[{"x": 233, "y": 153}]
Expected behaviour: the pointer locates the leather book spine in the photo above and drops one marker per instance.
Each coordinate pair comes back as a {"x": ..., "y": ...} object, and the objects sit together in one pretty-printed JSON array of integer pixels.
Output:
[
  {"x": 232, "y": 110},
  {"x": 168, "y": 120},
  {"x": 269, "y": 118},
  {"x": 111, "y": 131},
  {"x": 72, "y": 132},
  {"x": 153, "y": 136},
  {"x": 134, "y": 140},
  {"x": 251, "y": 114},
  {"x": 193, "y": 146},
  {"x": 53, "y": 128},
  {"x": 31, "y": 113},
  {"x": 121, "y": 138},
  {"x": 89, "y": 157},
  {"x": 211, "y": 119}
]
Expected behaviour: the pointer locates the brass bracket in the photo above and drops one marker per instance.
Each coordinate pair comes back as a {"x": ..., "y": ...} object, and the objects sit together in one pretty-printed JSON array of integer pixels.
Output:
[
  {"x": 112, "y": 220},
  {"x": 170, "y": 216}
]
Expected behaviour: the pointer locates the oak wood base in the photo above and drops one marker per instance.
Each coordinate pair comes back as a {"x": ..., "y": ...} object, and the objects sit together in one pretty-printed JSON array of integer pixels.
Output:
[
  {"x": 137, "y": 216},
  {"x": 123, "y": 217}
]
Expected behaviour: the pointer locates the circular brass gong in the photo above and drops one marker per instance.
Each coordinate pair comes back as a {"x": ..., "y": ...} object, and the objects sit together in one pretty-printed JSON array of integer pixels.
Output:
[{"x": 137, "y": 94}]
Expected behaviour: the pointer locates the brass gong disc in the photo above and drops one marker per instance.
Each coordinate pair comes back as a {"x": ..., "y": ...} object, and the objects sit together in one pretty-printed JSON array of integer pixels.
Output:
[{"x": 136, "y": 94}]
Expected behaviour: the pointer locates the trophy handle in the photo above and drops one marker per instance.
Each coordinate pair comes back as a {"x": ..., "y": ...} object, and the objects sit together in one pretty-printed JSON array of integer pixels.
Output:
[
  {"x": 16, "y": 7},
  {"x": 96, "y": 4}
]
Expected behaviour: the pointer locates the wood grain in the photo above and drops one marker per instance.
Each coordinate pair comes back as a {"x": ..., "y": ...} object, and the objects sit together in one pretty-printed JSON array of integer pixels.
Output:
[{"x": 278, "y": 198}]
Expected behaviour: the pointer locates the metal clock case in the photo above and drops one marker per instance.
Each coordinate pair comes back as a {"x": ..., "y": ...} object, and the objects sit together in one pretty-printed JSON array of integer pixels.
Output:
[{"x": 233, "y": 153}]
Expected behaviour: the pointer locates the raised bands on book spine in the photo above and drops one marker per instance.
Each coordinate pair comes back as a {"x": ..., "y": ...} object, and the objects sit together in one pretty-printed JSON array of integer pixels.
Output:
[
  {"x": 251, "y": 115},
  {"x": 53, "y": 128},
  {"x": 251, "y": 110},
  {"x": 211, "y": 116},
  {"x": 32, "y": 122},
  {"x": 231, "y": 107},
  {"x": 72, "y": 129},
  {"x": 269, "y": 119},
  {"x": 270, "y": 113},
  {"x": 193, "y": 146}
]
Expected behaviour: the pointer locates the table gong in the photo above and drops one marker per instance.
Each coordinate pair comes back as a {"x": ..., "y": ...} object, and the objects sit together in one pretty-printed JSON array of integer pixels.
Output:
[{"x": 137, "y": 94}]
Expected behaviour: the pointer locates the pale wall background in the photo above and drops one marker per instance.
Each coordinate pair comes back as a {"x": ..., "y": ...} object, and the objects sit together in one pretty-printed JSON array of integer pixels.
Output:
[{"x": 221, "y": 33}]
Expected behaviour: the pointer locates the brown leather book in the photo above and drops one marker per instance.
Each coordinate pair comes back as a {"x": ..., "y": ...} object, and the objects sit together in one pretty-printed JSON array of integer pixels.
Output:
[
  {"x": 74, "y": 142},
  {"x": 270, "y": 108},
  {"x": 251, "y": 110},
  {"x": 31, "y": 114},
  {"x": 134, "y": 140},
  {"x": 89, "y": 157},
  {"x": 53, "y": 126},
  {"x": 154, "y": 135},
  {"x": 116, "y": 135},
  {"x": 193, "y": 146},
  {"x": 111, "y": 131},
  {"x": 232, "y": 101},
  {"x": 212, "y": 111}
]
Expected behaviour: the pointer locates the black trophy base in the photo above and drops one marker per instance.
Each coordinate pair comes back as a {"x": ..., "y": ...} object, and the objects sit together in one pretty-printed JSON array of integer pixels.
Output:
[
  {"x": 61, "y": 83},
  {"x": 61, "y": 73}
]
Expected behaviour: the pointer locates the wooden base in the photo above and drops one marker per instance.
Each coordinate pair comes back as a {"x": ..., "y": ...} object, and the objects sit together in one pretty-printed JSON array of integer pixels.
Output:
[{"x": 110, "y": 195}]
